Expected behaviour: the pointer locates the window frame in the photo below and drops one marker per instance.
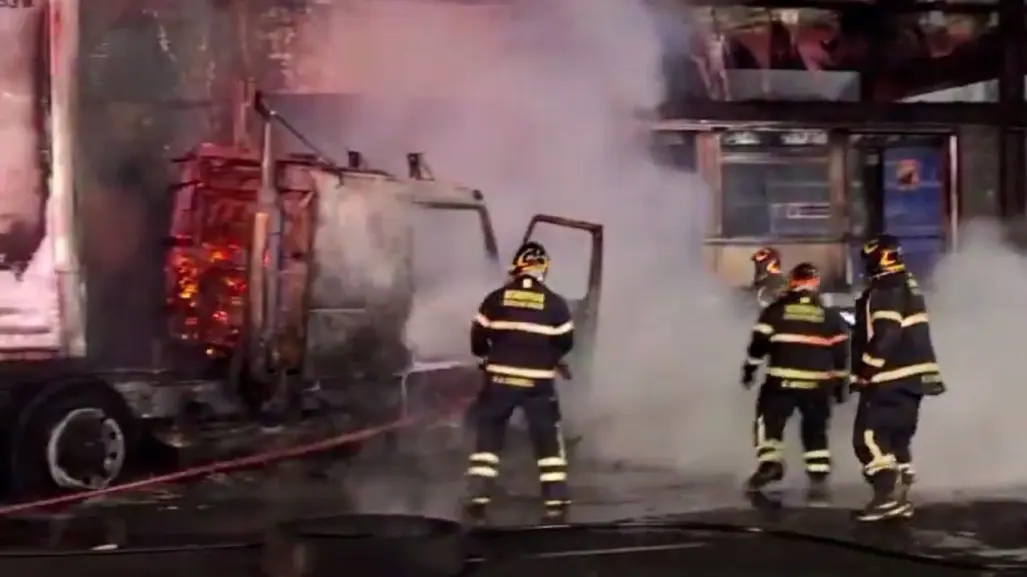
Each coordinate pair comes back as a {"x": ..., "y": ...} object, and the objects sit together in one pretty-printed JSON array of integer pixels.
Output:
[{"x": 772, "y": 157}]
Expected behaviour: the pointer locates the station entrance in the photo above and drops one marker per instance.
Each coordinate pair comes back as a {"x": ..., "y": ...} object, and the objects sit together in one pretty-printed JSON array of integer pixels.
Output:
[{"x": 815, "y": 193}]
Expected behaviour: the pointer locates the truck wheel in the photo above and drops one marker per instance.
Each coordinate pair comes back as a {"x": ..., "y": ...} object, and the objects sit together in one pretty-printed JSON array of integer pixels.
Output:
[{"x": 77, "y": 437}]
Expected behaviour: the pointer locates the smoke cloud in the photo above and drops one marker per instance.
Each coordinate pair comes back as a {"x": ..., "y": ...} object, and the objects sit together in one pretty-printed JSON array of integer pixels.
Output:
[
  {"x": 537, "y": 104},
  {"x": 29, "y": 305},
  {"x": 971, "y": 439}
]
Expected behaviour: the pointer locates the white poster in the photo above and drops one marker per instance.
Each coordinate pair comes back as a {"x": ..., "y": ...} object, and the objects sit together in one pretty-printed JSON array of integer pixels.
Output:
[{"x": 29, "y": 301}]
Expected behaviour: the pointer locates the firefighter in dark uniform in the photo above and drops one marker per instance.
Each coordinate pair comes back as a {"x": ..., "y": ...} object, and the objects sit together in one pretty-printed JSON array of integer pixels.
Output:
[
  {"x": 894, "y": 368},
  {"x": 807, "y": 350},
  {"x": 522, "y": 331},
  {"x": 768, "y": 282}
]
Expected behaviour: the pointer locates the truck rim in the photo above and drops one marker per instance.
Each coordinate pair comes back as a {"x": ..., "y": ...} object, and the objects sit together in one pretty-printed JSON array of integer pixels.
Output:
[{"x": 110, "y": 437}]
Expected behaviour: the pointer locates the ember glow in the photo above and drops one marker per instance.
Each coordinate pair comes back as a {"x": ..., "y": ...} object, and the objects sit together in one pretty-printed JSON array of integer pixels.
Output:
[{"x": 206, "y": 266}]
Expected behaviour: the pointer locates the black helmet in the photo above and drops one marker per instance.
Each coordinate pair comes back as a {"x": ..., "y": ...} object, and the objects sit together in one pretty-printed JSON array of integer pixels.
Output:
[
  {"x": 804, "y": 277},
  {"x": 532, "y": 259},
  {"x": 767, "y": 262},
  {"x": 882, "y": 255}
]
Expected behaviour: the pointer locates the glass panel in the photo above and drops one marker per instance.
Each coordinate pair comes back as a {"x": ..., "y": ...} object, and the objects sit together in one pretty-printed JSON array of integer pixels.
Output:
[
  {"x": 745, "y": 206},
  {"x": 778, "y": 200}
]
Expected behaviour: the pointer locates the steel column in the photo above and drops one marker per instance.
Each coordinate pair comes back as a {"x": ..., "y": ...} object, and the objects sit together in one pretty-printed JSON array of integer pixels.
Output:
[
  {"x": 954, "y": 186},
  {"x": 1012, "y": 152},
  {"x": 63, "y": 36},
  {"x": 838, "y": 182}
]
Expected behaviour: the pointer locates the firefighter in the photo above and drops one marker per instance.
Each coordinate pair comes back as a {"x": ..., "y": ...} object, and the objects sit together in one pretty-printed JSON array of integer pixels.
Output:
[
  {"x": 807, "y": 346},
  {"x": 768, "y": 281},
  {"x": 894, "y": 368},
  {"x": 522, "y": 331}
]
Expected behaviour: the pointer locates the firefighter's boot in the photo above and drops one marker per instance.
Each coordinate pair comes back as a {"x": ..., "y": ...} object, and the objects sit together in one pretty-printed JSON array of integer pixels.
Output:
[
  {"x": 885, "y": 503},
  {"x": 768, "y": 472},
  {"x": 818, "y": 491},
  {"x": 476, "y": 512},
  {"x": 903, "y": 485},
  {"x": 555, "y": 513}
]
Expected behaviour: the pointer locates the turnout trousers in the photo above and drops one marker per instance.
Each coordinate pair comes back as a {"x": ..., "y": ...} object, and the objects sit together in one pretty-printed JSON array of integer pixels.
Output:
[
  {"x": 886, "y": 421},
  {"x": 777, "y": 400},
  {"x": 541, "y": 408}
]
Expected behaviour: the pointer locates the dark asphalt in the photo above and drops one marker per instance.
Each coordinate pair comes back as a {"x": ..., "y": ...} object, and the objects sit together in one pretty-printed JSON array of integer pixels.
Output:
[
  {"x": 245, "y": 507},
  {"x": 242, "y": 506}
]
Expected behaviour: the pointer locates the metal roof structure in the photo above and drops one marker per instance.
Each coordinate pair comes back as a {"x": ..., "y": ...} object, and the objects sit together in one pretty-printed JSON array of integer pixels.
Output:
[
  {"x": 900, "y": 49},
  {"x": 877, "y": 65}
]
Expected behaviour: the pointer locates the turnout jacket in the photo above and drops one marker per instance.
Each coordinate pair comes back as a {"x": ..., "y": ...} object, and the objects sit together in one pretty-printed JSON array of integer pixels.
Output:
[
  {"x": 807, "y": 344},
  {"x": 892, "y": 338},
  {"x": 522, "y": 330}
]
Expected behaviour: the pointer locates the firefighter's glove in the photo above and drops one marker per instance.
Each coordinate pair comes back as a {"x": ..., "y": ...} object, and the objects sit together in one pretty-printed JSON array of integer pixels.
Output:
[
  {"x": 564, "y": 370},
  {"x": 840, "y": 390},
  {"x": 856, "y": 384},
  {"x": 864, "y": 373},
  {"x": 748, "y": 375},
  {"x": 932, "y": 387}
]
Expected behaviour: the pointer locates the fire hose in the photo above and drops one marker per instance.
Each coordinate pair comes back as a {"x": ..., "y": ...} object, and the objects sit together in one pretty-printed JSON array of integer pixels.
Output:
[{"x": 265, "y": 458}]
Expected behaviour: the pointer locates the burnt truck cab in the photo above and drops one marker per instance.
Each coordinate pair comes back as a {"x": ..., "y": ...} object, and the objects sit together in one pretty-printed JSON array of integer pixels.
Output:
[
  {"x": 331, "y": 297},
  {"x": 289, "y": 279},
  {"x": 316, "y": 282}
]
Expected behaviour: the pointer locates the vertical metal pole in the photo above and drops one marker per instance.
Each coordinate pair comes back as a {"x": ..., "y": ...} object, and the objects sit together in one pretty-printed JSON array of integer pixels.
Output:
[
  {"x": 711, "y": 169},
  {"x": 273, "y": 255},
  {"x": 258, "y": 255},
  {"x": 245, "y": 88},
  {"x": 871, "y": 73},
  {"x": 62, "y": 40},
  {"x": 955, "y": 192},
  {"x": 838, "y": 193},
  {"x": 1012, "y": 148}
]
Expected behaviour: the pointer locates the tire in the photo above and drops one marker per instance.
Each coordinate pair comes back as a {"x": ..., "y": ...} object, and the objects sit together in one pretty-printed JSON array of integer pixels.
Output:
[{"x": 52, "y": 427}]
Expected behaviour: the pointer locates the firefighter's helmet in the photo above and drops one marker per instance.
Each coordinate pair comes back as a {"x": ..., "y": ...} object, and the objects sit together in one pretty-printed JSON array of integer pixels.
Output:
[
  {"x": 882, "y": 255},
  {"x": 804, "y": 277},
  {"x": 766, "y": 262},
  {"x": 531, "y": 259}
]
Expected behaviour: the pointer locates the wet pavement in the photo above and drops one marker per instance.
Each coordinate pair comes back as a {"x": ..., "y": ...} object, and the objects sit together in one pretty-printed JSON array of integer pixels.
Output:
[{"x": 242, "y": 509}]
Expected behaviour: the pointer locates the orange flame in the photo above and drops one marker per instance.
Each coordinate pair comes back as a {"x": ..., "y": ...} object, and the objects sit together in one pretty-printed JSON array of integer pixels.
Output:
[{"x": 206, "y": 270}]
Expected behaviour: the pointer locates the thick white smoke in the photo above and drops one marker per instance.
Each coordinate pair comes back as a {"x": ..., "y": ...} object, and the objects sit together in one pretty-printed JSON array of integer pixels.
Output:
[
  {"x": 972, "y": 438},
  {"x": 537, "y": 104},
  {"x": 29, "y": 316}
]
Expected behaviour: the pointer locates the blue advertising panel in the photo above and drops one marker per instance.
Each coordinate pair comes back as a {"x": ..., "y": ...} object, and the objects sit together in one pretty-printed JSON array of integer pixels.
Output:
[
  {"x": 914, "y": 204},
  {"x": 914, "y": 194}
]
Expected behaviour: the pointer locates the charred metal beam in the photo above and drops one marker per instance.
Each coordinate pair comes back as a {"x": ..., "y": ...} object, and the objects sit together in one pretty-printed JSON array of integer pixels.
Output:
[
  {"x": 972, "y": 62},
  {"x": 870, "y": 44},
  {"x": 891, "y": 7},
  {"x": 1012, "y": 150},
  {"x": 854, "y": 115}
]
